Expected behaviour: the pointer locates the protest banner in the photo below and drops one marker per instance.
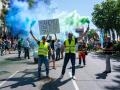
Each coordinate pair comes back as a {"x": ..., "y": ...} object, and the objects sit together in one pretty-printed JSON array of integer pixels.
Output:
[{"x": 49, "y": 26}]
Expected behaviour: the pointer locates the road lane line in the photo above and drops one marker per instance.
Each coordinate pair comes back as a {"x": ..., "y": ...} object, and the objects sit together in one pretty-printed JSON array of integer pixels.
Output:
[
  {"x": 74, "y": 82},
  {"x": 8, "y": 78}
]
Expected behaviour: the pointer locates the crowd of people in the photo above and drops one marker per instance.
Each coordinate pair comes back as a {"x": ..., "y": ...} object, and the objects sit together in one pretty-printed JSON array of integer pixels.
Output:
[
  {"x": 24, "y": 45},
  {"x": 50, "y": 49},
  {"x": 8, "y": 45}
]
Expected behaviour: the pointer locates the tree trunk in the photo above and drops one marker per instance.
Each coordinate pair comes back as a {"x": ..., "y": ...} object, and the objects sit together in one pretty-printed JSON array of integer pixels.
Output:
[
  {"x": 113, "y": 34},
  {"x": 108, "y": 33}
]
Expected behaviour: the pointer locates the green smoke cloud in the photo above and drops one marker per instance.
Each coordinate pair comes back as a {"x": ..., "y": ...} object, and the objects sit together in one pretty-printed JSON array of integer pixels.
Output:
[{"x": 75, "y": 20}]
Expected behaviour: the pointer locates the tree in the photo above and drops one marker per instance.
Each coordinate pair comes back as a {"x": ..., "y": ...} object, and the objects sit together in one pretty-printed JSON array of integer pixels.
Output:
[
  {"x": 92, "y": 34},
  {"x": 106, "y": 16},
  {"x": 117, "y": 25},
  {"x": 3, "y": 13}
]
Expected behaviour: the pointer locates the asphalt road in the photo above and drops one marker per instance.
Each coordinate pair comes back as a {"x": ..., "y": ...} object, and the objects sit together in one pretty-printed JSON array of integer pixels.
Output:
[{"x": 18, "y": 74}]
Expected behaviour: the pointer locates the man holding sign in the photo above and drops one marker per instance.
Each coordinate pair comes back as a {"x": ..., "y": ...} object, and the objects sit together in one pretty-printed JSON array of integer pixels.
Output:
[
  {"x": 46, "y": 27},
  {"x": 50, "y": 27},
  {"x": 43, "y": 50}
]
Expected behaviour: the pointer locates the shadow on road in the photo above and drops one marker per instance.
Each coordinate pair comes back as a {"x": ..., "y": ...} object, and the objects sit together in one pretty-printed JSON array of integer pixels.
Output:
[
  {"x": 101, "y": 76},
  {"x": 3, "y": 72},
  {"x": 54, "y": 84},
  {"x": 14, "y": 59},
  {"x": 31, "y": 63},
  {"x": 29, "y": 77},
  {"x": 116, "y": 80},
  {"x": 76, "y": 67},
  {"x": 26, "y": 77},
  {"x": 116, "y": 68}
]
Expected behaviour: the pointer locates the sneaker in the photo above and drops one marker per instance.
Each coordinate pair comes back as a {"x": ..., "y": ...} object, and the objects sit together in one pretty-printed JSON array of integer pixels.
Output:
[
  {"x": 47, "y": 76},
  {"x": 61, "y": 76},
  {"x": 105, "y": 72},
  {"x": 73, "y": 77},
  {"x": 108, "y": 71}
]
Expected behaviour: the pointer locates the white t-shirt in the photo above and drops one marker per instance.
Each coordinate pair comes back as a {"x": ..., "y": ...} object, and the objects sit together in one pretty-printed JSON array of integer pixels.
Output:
[
  {"x": 26, "y": 43},
  {"x": 57, "y": 45}
]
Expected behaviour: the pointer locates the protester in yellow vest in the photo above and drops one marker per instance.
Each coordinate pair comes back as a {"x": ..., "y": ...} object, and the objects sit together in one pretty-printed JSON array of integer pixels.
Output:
[
  {"x": 43, "y": 55},
  {"x": 70, "y": 53},
  {"x": 70, "y": 50}
]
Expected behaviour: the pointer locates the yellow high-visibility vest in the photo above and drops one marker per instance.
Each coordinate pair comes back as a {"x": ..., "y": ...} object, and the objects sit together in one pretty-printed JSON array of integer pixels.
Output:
[
  {"x": 70, "y": 48},
  {"x": 43, "y": 49}
]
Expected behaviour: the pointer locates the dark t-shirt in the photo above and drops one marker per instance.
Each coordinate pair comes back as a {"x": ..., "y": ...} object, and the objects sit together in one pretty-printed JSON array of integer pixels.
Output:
[
  {"x": 51, "y": 42},
  {"x": 81, "y": 46},
  {"x": 108, "y": 45},
  {"x": 19, "y": 44}
]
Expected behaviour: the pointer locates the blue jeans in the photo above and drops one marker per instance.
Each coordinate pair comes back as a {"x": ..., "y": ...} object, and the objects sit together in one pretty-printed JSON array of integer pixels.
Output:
[
  {"x": 68, "y": 56},
  {"x": 43, "y": 59}
]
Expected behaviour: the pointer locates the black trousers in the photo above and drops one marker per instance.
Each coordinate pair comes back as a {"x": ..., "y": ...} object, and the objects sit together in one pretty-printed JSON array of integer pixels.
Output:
[
  {"x": 69, "y": 56},
  {"x": 57, "y": 53},
  {"x": 26, "y": 49},
  {"x": 19, "y": 51}
]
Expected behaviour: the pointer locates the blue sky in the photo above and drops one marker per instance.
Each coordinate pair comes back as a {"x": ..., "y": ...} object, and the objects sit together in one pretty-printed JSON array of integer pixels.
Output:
[{"x": 83, "y": 7}]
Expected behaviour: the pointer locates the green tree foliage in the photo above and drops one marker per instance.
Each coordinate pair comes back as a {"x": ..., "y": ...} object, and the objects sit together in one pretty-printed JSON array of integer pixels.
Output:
[
  {"x": 4, "y": 12},
  {"x": 117, "y": 23},
  {"x": 106, "y": 16},
  {"x": 92, "y": 34}
]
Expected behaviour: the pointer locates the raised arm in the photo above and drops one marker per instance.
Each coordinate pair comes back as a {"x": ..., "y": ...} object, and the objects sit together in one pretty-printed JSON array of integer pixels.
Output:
[
  {"x": 55, "y": 37},
  {"x": 33, "y": 36},
  {"x": 46, "y": 36},
  {"x": 84, "y": 33}
]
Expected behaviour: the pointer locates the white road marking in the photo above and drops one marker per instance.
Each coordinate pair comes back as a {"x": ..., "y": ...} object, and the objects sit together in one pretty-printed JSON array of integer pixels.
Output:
[
  {"x": 8, "y": 78},
  {"x": 74, "y": 82}
]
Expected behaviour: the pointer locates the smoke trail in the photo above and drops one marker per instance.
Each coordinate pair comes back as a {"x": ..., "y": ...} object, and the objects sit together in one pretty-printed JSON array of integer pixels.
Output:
[
  {"x": 32, "y": 24},
  {"x": 69, "y": 22},
  {"x": 20, "y": 18}
]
